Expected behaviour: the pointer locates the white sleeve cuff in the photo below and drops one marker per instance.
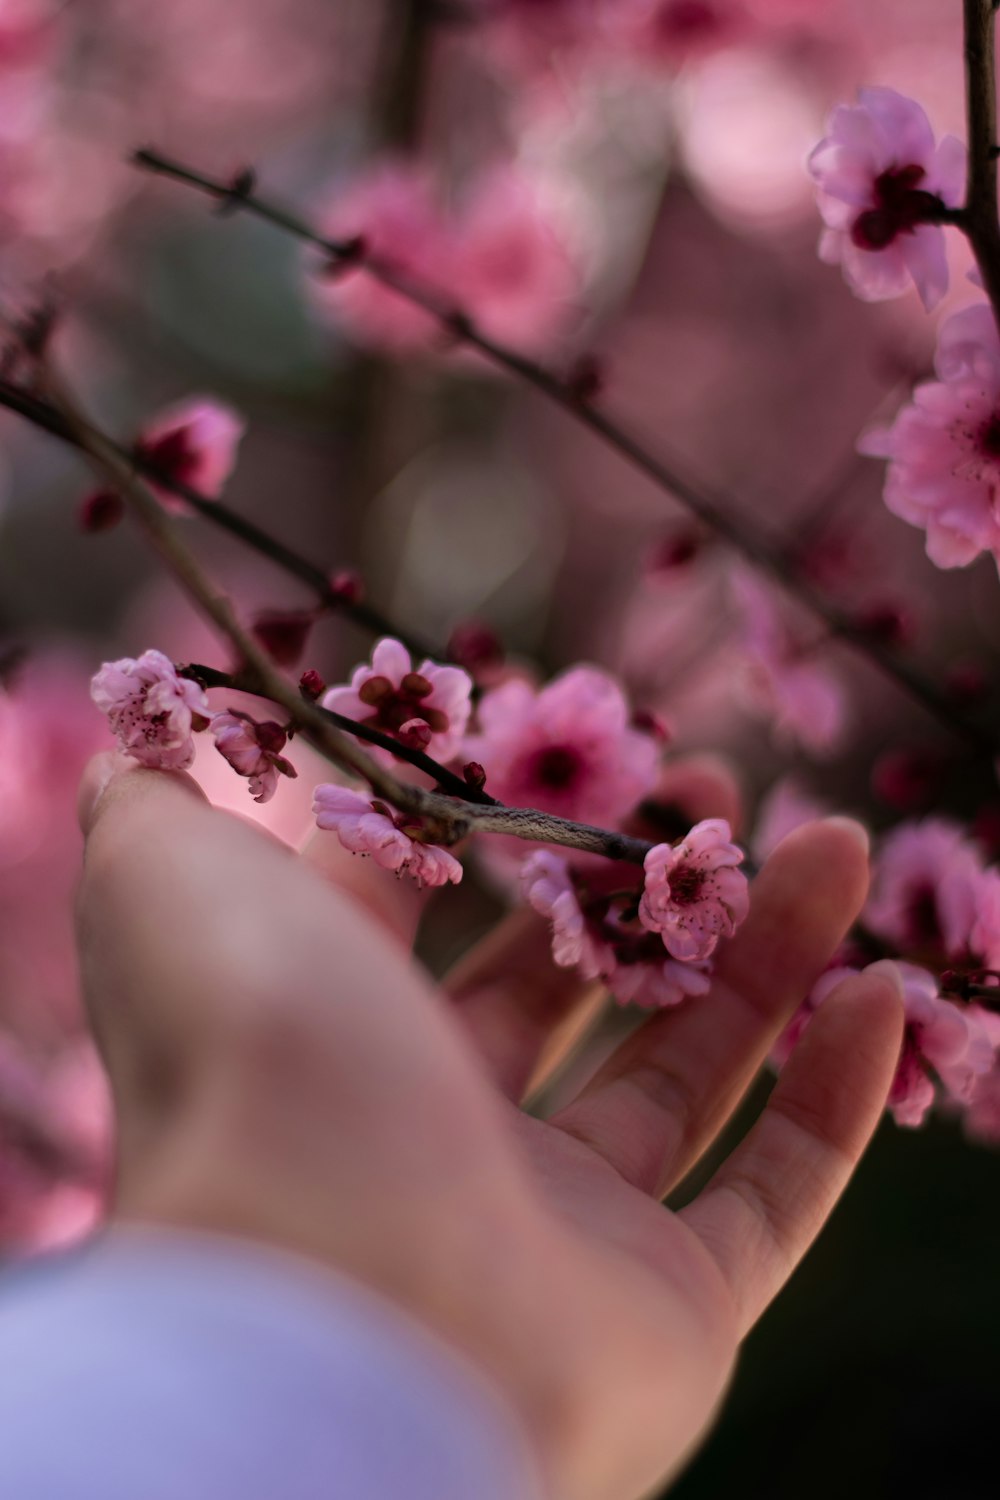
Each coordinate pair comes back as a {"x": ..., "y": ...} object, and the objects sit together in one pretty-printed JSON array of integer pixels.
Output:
[{"x": 156, "y": 1365}]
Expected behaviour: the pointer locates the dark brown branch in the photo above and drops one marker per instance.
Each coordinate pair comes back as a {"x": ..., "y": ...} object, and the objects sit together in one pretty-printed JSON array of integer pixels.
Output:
[
  {"x": 768, "y": 555},
  {"x": 979, "y": 215},
  {"x": 447, "y": 781}
]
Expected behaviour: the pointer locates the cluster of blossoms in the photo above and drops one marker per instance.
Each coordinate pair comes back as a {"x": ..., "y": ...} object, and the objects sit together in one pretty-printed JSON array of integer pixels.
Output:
[
  {"x": 885, "y": 187},
  {"x": 934, "y": 902},
  {"x": 155, "y": 713},
  {"x": 651, "y": 945},
  {"x": 569, "y": 748}
]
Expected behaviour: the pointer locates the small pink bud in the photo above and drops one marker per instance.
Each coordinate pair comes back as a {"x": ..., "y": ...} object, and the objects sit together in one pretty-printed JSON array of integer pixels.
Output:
[
  {"x": 888, "y": 623},
  {"x": 347, "y": 257},
  {"x": 648, "y": 722},
  {"x": 271, "y": 737},
  {"x": 475, "y": 775},
  {"x": 586, "y": 380},
  {"x": 906, "y": 779},
  {"x": 311, "y": 685},
  {"x": 475, "y": 645},
  {"x": 100, "y": 511},
  {"x": 675, "y": 551},
  {"x": 283, "y": 633},
  {"x": 415, "y": 734},
  {"x": 347, "y": 585}
]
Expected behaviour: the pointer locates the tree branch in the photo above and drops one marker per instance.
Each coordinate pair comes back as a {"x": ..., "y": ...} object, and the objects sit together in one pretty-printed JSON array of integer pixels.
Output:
[
  {"x": 979, "y": 216},
  {"x": 769, "y": 556}
]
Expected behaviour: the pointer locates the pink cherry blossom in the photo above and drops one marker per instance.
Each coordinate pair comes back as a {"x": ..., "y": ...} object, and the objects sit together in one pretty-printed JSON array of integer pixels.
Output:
[
  {"x": 516, "y": 265},
  {"x": 948, "y": 1038},
  {"x": 694, "y": 894},
  {"x": 879, "y": 176},
  {"x": 548, "y": 888},
  {"x": 984, "y": 939},
  {"x": 426, "y": 707},
  {"x": 151, "y": 709},
  {"x": 253, "y": 750},
  {"x": 600, "y": 946},
  {"x": 925, "y": 881},
  {"x": 944, "y": 448},
  {"x": 792, "y": 1034},
  {"x": 194, "y": 442},
  {"x": 367, "y": 826},
  {"x": 568, "y": 748},
  {"x": 503, "y": 251},
  {"x": 782, "y": 674},
  {"x": 394, "y": 210}
]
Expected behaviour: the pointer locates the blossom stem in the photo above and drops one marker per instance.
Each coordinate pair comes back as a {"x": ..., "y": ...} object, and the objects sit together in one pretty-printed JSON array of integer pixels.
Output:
[
  {"x": 447, "y": 819},
  {"x": 979, "y": 215},
  {"x": 447, "y": 781},
  {"x": 770, "y": 556}
]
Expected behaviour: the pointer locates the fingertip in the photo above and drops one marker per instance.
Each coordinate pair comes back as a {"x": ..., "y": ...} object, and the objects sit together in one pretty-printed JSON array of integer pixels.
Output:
[{"x": 112, "y": 775}]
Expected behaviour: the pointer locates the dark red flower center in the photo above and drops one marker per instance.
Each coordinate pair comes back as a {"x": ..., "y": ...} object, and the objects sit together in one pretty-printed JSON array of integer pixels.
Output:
[
  {"x": 556, "y": 767},
  {"x": 174, "y": 455},
  {"x": 989, "y": 436},
  {"x": 395, "y": 706},
  {"x": 686, "y": 883},
  {"x": 689, "y": 20},
  {"x": 922, "y": 912},
  {"x": 900, "y": 205}
]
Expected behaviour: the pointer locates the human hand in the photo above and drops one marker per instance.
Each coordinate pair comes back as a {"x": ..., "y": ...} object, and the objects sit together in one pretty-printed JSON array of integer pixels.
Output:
[{"x": 282, "y": 1070}]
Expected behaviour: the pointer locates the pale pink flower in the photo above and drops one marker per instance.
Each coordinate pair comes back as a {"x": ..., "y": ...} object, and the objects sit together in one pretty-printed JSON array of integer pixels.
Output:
[
  {"x": 367, "y": 826},
  {"x": 783, "y": 676},
  {"x": 984, "y": 939},
  {"x": 426, "y": 707},
  {"x": 599, "y": 946},
  {"x": 694, "y": 894},
  {"x": 879, "y": 175},
  {"x": 254, "y": 750},
  {"x": 394, "y": 210},
  {"x": 151, "y": 709},
  {"x": 926, "y": 877},
  {"x": 949, "y": 1039},
  {"x": 502, "y": 253},
  {"x": 785, "y": 807},
  {"x": 194, "y": 442},
  {"x": 547, "y": 886},
  {"x": 567, "y": 749},
  {"x": 944, "y": 448},
  {"x": 516, "y": 270},
  {"x": 658, "y": 984}
]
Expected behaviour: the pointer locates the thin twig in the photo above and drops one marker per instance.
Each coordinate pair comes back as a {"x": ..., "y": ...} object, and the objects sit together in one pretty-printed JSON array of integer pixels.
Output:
[
  {"x": 769, "y": 556},
  {"x": 979, "y": 214},
  {"x": 446, "y": 819}
]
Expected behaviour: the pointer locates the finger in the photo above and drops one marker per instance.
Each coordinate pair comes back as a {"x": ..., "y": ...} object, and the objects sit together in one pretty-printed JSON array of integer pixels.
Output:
[
  {"x": 513, "y": 999},
  {"x": 663, "y": 1096},
  {"x": 397, "y": 903},
  {"x": 763, "y": 1209}
]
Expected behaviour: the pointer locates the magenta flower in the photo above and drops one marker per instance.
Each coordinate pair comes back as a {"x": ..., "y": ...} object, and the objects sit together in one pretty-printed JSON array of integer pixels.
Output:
[
  {"x": 984, "y": 940},
  {"x": 253, "y": 750},
  {"x": 426, "y": 708},
  {"x": 925, "y": 883},
  {"x": 151, "y": 709},
  {"x": 367, "y": 826},
  {"x": 600, "y": 946},
  {"x": 944, "y": 448},
  {"x": 880, "y": 176},
  {"x": 782, "y": 675},
  {"x": 694, "y": 893},
  {"x": 568, "y": 748},
  {"x": 195, "y": 443}
]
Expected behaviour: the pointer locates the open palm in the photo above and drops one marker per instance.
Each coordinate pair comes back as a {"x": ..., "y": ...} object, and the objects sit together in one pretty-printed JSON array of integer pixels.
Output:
[{"x": 282, "y": 1069}]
